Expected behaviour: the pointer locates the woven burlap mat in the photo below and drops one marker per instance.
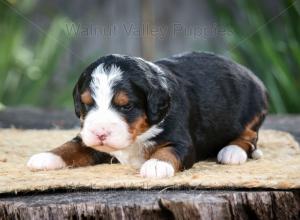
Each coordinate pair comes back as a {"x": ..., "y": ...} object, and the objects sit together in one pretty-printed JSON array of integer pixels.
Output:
[{"x": 278, "y": 169}]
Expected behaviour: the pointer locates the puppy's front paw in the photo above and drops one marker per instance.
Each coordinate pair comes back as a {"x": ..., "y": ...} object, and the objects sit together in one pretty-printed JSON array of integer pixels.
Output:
[
  {"x": 154, "y": 168},
  {"x": 232, "y": 154},
  {"x": 45, "y": 161}
]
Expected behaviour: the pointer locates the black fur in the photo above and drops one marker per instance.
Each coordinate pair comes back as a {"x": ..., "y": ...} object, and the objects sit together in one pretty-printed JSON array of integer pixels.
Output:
[{"x": 208, "y": 102}]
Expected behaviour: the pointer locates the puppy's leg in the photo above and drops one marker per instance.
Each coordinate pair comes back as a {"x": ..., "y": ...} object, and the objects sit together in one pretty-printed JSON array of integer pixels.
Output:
[
  {"x": 162, "y": 163},
  {"x": 238, "y": 150},
  {"x": 71, "y": 154}
]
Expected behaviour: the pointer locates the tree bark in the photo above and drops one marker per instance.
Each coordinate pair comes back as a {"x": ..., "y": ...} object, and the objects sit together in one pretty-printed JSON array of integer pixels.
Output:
[{"x": 154, "y": 204}]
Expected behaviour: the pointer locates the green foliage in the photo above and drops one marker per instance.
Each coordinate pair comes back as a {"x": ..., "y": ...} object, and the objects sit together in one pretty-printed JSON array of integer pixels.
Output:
[
  {"x": 25, "y": 69},
  {"x": 264, "y": 38},
  {"x": 267, "y": 43}
]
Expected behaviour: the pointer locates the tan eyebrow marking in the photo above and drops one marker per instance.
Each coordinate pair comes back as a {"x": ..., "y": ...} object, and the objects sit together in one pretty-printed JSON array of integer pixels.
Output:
[
  {"x": 86, "y": 97},
  {"x": 121, "y": 98}
]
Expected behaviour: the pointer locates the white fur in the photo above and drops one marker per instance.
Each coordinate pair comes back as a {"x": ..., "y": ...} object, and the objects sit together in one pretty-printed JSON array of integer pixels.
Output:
[
  {"x": 154, "y": 168},
  {"x": 102, "y": 83},
  {"x": 45, "y": 161},
  {"x": 104, "y": 119},
  {"x": 232, "y": 154},
  {"x": 134, "y": 154},
  {"x": 153, "y": 131},
  {"x": 256, "y": 154}
]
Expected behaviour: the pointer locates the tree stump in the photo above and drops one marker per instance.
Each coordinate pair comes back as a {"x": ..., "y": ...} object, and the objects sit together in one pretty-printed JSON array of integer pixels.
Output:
[{"x": 153, "y": 204}]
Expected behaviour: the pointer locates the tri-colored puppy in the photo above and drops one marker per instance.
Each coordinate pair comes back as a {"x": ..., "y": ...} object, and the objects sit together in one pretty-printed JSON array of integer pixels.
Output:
[{"x": 163, "y": 116}]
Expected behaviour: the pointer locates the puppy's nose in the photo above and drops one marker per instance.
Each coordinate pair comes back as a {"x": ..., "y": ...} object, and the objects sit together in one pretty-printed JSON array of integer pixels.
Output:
[{"x": 102, "y": 137}]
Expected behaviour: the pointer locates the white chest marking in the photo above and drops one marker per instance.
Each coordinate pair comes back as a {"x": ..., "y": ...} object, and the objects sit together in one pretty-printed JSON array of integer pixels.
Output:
[{"x": 134, "y": 154}]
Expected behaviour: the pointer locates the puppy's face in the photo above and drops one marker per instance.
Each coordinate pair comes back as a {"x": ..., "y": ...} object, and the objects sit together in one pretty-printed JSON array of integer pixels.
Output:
[{"x": 118, "y": 99}]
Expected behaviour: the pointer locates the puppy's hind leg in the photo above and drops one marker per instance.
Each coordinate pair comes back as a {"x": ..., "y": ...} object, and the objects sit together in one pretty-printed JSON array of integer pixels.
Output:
[{"x": 238, "y": 150}]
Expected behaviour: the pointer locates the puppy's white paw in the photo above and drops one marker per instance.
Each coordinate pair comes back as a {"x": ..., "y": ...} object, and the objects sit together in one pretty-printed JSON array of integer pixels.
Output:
[
  {"x": 154, "y": 168},
  {"x": 45, "y": 161},
  {"x": 232, "y": 154},
  {"x": 257, "y": 154}
]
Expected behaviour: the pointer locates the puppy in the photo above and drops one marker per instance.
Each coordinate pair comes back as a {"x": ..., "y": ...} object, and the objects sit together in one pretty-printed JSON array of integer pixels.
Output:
[{"x": 161, "y": 117}]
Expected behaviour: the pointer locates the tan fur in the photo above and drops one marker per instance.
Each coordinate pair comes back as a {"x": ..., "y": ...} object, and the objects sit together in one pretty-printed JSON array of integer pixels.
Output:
[
  {"x": 74, "y": 154},
  {"x": 150, "y": 150},
  {"x": 121, "y": 98},
  {"x": 139, "y": 126},
  {"x": 248, "y": 139},
  {"x": 167, "y": 154},
  {"x": 86, "y": 97}
]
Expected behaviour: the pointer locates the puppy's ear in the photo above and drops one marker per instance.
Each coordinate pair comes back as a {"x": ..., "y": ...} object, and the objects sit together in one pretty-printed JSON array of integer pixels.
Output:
[
  {"x": 153, "y": 82},
  {"x": 158, "y": 104},
  {"x": 77, "y": 100}
]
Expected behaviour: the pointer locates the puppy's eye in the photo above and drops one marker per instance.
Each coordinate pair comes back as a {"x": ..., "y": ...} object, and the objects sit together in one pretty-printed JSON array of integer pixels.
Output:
[
  {"x": 127, "y": 107},
  {"x": 89, "y": 106}
]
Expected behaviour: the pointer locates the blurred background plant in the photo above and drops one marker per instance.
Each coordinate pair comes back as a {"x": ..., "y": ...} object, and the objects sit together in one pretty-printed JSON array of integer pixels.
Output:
[
  {"x": 26, "y": 69},
  {"x": 268, "y": 43},
  {"x": 45, "y": 45}
]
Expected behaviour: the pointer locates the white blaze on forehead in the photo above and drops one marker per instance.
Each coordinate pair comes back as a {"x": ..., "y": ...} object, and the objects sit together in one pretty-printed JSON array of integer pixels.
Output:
[
  {"x": 102, "y": 83},
  {"x": 103, "y": 119}
]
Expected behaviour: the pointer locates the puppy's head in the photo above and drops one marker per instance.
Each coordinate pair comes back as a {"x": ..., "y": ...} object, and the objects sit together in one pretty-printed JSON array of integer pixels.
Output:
[{"x": 118, "y": 99}]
